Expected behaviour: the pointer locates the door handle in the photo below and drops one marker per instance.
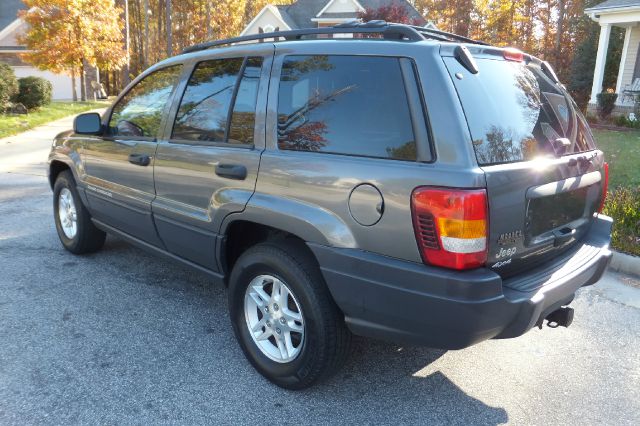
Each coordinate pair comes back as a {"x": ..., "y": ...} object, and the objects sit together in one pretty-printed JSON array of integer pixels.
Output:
[
  {"x": 231, "y": 171},
  {"x": 139, "y": 159}
]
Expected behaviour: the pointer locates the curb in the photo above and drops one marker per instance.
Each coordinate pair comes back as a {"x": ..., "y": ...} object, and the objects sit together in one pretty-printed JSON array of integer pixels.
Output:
[{"x": 625, "y": 263}]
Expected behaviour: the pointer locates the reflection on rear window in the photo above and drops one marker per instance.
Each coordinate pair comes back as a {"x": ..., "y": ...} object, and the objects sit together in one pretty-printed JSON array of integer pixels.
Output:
[{"x": 516, "y": 113}]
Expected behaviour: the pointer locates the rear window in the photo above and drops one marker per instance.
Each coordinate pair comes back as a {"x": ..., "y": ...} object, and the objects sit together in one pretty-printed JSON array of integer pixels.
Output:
[
  {"x": 354, "y": 105},
  {"x": 516, "y": 113}
]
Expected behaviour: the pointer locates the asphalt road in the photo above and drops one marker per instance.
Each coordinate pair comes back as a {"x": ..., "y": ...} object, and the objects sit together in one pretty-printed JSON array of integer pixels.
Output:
[{"x": 122, "y": 337}]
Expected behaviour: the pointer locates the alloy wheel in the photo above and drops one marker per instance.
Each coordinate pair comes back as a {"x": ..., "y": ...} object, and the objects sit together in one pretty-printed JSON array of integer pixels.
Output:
[
  {"x": 67, "y": 213},
  {"x": 274, "y": 318}
]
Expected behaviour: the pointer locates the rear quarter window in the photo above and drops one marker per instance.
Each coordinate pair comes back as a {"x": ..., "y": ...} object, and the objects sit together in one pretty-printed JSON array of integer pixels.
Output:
[
  {"x": 516, "y": 113},
  {"x": 354, "y": 105}
]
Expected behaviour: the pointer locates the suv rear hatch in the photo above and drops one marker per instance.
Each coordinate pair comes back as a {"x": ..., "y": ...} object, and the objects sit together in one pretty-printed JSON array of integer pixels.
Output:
[{"x": 543, "y": 172}]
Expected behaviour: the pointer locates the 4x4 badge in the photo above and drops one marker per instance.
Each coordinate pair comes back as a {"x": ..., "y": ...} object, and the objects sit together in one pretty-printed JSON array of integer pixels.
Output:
[{"x": 509, "y": 237}]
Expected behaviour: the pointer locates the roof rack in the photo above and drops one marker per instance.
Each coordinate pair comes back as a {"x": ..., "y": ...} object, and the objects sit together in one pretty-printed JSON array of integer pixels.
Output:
[
  {"x": 388, "y": 30},
  {"x": 452, "y": 36}
]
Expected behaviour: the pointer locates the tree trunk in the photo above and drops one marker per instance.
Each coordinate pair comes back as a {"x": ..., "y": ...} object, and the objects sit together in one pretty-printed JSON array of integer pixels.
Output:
[
  {"x": 463, "y": 17},
  {"x": 248, "y": 12},
  {"x": 115, "y": 83},
  {"x": 127, "y": 41},
  {"x": 107, "y": 82},
  {"x": 146, "y": 33},
  {"x": 208, "y": 15},
  {"x": 168, "y": 29},
  {"x": 559, "y": 30},
  {"x": 74, "y": 90},
  {"x": 160, "y": 16},
  {"x": 83, "y": 87},
  {"x": 528, "y": 31},
  {"x": 547, "y": 31}
]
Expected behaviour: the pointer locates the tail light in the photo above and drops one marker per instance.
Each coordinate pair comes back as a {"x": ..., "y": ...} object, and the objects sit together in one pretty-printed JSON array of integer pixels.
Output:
[
  {"x": 513, "y": 54},
  {"x": 451, "y": 226},
  {"x": 605, "y": 186}
]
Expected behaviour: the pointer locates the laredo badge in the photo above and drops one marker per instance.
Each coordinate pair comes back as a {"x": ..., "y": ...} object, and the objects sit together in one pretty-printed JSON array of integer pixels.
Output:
[{"x": 509, "y": 238}]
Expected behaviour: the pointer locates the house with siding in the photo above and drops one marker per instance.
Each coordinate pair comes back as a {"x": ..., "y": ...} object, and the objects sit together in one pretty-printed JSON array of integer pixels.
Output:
[
  {"x": 319, "y": 13},
  {"x": 623, "y": 14},
  {"x": 11, "y": 26}
]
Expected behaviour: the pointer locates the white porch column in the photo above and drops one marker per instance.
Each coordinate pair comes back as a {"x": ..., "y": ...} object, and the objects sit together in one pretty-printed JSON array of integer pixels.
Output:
[
  {"x": 623, "y": 63},
  {"x": 601, "y": 60}
]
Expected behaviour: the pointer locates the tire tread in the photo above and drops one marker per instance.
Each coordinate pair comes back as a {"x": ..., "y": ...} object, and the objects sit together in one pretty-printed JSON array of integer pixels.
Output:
[
  {"x": 89, "y": 238},
  {"x": 337, "y": 337}
]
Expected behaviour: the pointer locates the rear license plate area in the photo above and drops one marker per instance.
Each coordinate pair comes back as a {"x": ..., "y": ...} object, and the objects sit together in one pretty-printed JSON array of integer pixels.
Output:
[{"x": 545, "y": 214}]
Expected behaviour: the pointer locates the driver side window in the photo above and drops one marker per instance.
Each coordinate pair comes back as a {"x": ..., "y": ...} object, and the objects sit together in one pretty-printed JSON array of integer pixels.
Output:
[{"x": 139, "y": 112}]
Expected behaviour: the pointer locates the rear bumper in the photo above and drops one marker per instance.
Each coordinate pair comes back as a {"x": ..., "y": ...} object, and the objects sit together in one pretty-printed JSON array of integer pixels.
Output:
[{"x": 412, "y": 303}]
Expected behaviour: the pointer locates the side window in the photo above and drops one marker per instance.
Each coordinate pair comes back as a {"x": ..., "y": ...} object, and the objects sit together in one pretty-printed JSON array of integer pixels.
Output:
[
  {"x": 204, "y": 110},
  {"x": 243, "y": 116},
  {"x": 354, "y": 105},
  {"x": 139, "y": 112}
]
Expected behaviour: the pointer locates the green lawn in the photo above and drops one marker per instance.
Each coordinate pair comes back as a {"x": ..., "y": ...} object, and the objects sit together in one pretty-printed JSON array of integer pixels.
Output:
[
  {"x": 13, "y": 124},
  {"x": 622, "y": 152}
]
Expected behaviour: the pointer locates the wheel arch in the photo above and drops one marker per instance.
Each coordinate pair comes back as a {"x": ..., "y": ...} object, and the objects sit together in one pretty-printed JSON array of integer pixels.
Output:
[
  {"x": 241, "y": 234},
  {"x": 55, "y": 168},
  {"x": 267, "y": 216}
]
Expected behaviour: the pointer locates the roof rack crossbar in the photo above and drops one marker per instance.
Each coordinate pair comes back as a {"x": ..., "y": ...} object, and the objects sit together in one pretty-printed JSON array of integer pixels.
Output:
[{"x": 388, "y": 31}]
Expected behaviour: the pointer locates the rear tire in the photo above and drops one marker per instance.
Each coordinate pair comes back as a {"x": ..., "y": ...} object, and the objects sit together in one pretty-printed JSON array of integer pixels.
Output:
[
  {"x": 76, "y": 231},
  {"x": 319, "y": 349}
]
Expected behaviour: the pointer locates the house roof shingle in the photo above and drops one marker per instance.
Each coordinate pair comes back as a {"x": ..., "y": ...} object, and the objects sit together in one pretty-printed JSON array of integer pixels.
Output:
[
  {"x": 614, "y": 4},
  {"x": 302, "y": 12},
  {"x": 285, "y": 16},
  {"x": 9, "y": 11}
]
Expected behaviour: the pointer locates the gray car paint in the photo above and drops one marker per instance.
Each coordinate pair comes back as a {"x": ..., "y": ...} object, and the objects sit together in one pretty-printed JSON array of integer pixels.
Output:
[
  {"x": 120, "y": 193},
  {"x": 307, "y": 193},
  {"x": 320, "y": 184},
  {"x": 191, "y": 200},
  {"x": 508, "y": 186}
]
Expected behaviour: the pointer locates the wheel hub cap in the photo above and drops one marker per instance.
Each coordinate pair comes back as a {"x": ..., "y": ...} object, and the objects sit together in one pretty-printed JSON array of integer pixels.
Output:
[
  {"x": 67, "y": 213},
  {"x": 274, "y": 318}
]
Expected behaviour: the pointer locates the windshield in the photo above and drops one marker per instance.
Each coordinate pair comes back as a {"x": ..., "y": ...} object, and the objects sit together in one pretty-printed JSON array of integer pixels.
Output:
[{"x": 516, "y": 113}]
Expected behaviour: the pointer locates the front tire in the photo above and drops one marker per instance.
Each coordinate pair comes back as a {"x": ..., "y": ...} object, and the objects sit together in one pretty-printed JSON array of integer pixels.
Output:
[
  {"x": 76, "y": 231},
  {"x": 283, "y": 316}
]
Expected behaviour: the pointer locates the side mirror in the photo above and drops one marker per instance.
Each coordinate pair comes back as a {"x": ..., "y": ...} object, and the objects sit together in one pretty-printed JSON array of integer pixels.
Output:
[{"x": 88, "y": 124}]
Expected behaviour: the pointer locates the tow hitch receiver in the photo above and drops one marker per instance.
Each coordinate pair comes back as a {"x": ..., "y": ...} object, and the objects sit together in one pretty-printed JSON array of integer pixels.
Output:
[{"x": 562, "y": 316}]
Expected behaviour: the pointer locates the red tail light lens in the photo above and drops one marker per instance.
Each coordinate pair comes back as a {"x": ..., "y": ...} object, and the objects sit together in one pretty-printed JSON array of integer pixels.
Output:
[
  {"x": 513, "y": 54},
  {"x": 451, "y": 226},
  {"x": 605, "y": 186}
]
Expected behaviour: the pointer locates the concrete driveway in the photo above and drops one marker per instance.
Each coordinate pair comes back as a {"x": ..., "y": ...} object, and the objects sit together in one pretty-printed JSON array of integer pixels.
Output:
[{"x": 123, "y": 337}]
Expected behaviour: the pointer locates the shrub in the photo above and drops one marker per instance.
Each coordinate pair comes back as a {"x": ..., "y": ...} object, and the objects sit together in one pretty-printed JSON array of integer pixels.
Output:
[
  {"x": 623, "y": 205},
  {"x": 636, "y": 106},
  {"x": 606, "y": 103},
  {"x": 621, "y": 120},
  {"x": 591, "y": 118},
  {"x": 34, "y": 92},
  {"x": 8, "y": 85},
  {"x": 625, "y": 121}
]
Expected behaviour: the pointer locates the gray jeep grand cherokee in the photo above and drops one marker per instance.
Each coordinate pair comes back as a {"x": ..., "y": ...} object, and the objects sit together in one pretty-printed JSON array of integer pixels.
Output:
[{"x": 403, "y": 183}]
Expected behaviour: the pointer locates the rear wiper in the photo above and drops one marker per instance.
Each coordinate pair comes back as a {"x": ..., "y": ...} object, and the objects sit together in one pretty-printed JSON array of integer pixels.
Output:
[
  {"x": 549, "y": 72},
  {"x": 462, "y": 54}
]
